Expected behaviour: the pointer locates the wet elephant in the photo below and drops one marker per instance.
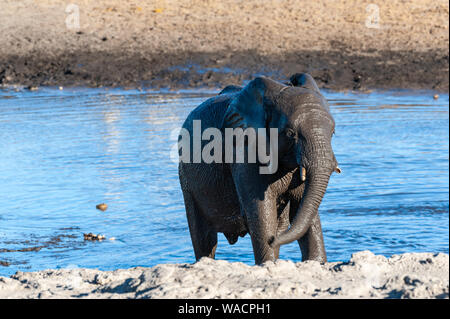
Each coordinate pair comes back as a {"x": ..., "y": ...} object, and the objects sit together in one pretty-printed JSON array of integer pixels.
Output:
[{"x": 235, "y": 198}]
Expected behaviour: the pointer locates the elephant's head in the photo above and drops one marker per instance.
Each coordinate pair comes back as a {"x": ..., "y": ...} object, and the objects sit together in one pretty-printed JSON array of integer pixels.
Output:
[{"x": 305, "y": 128}]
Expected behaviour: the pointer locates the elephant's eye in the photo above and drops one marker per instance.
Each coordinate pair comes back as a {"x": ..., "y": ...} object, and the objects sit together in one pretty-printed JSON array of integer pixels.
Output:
[{"x": 290, "y": 133}]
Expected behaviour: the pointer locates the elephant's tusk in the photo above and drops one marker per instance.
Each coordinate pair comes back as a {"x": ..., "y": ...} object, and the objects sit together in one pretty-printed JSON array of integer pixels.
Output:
[
  {"x": 303, "y": 174},
  {"x": 338, "y": 170}
]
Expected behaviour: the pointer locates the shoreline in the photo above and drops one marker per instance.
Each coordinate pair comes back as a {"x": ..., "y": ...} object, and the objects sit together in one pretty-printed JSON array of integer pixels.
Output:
[
  {"x": 192, "y": 43},
  {"x": 365, "y": 275},
  {"x": 197, "y": 70}
]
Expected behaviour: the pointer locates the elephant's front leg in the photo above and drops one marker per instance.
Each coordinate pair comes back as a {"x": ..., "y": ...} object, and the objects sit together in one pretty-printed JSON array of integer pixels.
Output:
[
  {"x": 260, "y": 211},
  {"x": 283, "y": 223},
  {"x": 262, "y": 223},
  {"x": 311, "y": 244}
]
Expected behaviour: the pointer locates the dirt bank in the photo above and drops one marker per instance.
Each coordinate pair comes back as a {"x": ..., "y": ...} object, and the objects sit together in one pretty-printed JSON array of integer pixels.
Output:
[
  {"x": 349, "y": 44},
  {"x": 418, "y": 275}
]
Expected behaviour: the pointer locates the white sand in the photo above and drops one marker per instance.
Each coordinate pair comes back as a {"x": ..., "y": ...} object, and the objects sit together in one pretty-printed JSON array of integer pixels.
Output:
[{"x": 413, "y": 275}]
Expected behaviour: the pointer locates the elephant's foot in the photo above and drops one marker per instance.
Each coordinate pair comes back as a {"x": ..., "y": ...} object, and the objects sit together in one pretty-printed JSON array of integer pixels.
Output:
[
  {"x": 267, "y": 255},
  {"x": 313, "y": 254},
  {"x": 263, "y": 251}
]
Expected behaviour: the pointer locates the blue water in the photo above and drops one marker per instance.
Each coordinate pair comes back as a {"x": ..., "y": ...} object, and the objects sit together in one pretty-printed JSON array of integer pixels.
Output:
[{"x": 63, "y": 152}]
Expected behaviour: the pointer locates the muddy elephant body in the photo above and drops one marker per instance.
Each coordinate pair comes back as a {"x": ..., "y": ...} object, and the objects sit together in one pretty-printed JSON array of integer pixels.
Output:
[{"x": 234, "y": 198}]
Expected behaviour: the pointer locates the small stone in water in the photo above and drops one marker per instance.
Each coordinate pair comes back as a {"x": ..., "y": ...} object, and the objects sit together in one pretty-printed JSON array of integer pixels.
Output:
[
  {"x": 102, "y": 207},
  {"x": 93, "y": 237}
]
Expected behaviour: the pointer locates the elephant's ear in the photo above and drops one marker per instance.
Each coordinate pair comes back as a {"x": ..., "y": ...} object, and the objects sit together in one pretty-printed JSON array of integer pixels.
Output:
[
  {"x": 247, "y": 108},
  {"x": 304, "y": 80}
]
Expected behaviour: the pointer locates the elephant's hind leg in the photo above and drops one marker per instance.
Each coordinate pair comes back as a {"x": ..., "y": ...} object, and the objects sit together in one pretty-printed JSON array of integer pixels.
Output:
[{"x": 204, "y": 238}]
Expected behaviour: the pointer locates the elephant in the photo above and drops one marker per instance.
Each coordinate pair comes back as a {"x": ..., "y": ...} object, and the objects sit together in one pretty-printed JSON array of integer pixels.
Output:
[{"x": 234, "y": 198}]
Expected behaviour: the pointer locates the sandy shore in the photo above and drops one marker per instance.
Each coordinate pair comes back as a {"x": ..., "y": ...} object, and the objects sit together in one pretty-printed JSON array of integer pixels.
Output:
[
  {"x": 414, "y": 275},
  {"x": 347, "y": 44}
]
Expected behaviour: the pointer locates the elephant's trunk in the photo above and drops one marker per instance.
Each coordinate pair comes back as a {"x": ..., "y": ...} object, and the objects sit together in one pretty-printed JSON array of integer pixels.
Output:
[{"x": 317, "y": 177}]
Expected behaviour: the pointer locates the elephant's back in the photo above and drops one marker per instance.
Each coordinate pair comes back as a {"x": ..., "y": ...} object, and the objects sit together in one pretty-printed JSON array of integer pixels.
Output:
[
  {"x": 200, "y": 176},
  {"x": 207, "y": 115},
  {"x": 210, "y": 112}
]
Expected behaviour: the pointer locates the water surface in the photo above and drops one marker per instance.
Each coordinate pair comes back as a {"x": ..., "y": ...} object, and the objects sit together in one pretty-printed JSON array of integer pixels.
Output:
[{"x": 63, "y": 152}]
